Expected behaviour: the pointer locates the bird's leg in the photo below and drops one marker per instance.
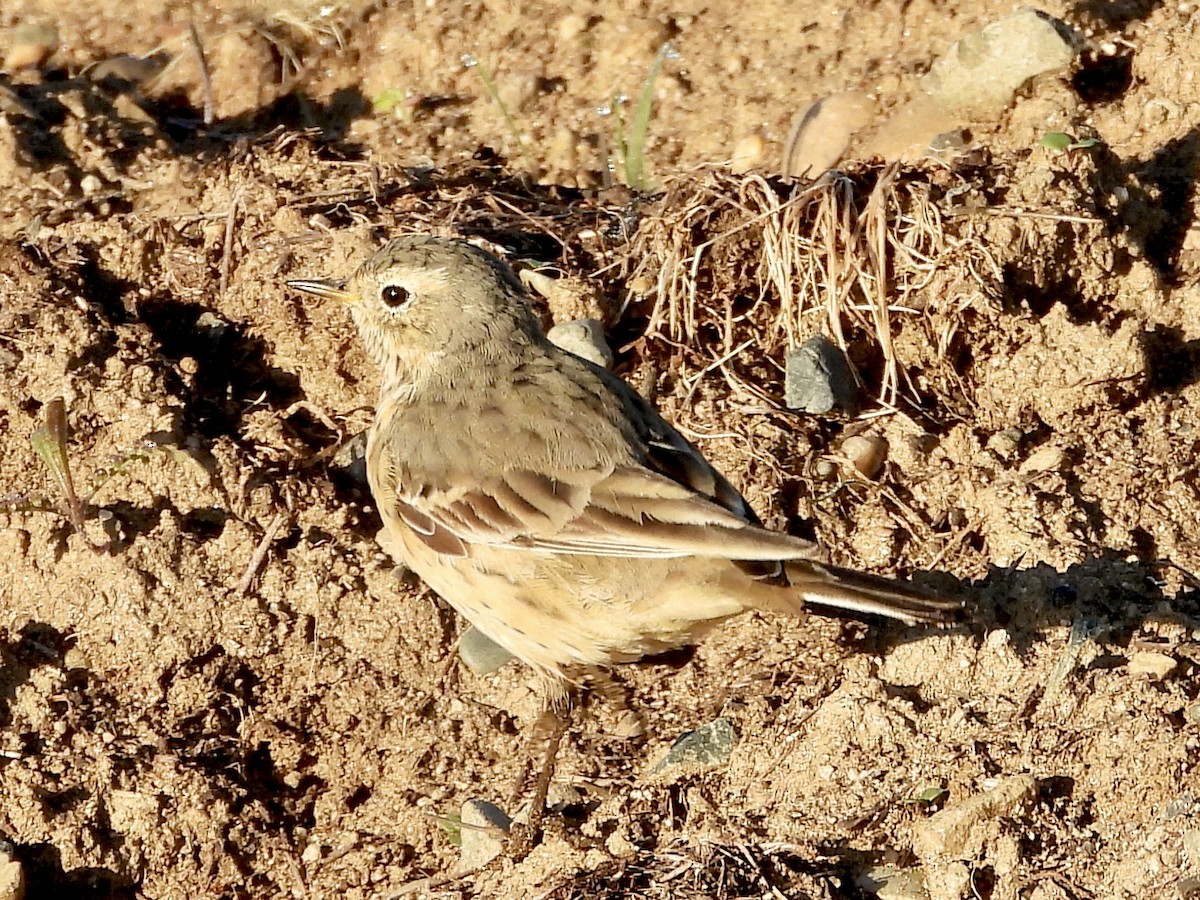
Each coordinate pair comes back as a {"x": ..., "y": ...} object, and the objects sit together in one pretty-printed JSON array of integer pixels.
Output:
[{"x": 552, "y": 724}]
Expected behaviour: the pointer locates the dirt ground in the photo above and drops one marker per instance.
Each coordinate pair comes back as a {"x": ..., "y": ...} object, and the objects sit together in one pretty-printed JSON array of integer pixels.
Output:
[{"x": 234, "y": 693}]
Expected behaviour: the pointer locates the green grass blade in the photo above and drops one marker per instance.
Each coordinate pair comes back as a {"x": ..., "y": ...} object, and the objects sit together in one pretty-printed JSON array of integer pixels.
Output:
[{"x": 635, "y": 151}]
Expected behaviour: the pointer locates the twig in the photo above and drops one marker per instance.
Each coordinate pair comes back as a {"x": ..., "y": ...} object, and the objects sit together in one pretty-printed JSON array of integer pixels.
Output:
[
  {"x": 227, "y": 253},
  {"x": 432, "y": 883},
  {"x": 205, "y": 77},
  {"x": 260, "y": 553},
  {"x": 1017, "y": 213},
  {"x": 762, "y": 876}
]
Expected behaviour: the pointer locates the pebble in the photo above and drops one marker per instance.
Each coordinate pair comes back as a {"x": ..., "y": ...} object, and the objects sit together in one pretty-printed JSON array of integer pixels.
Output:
[
  {"x": 484, "y": 827},
  {"x": 571, "y": 27},
  {"x": 1156, "y": 666},
  {"x": 866, "y": 453},
  {"x": 948, "y": 144},
  {"x": 211, "y": 326},
  {"x": 568, "y": 297},
  {"x": 1005, "y": 443},
  {"x": 895, "y": 883},
  {"x": 981, "y": 72},
  {"x": 480, "y": 653},
  {"x": 819, "y": 378},
  {"x": 75, "y": 658},
  {"x": 708, "y": 747},
  {"x": 125, "y": 68},
  {"x": 31, "y": 46},
  {"x": 1045, "y": 459},
  {"x": 821, "y": 134},
  {"x": 747, "y": 154},
  {"x": 585, "y": 338},
  {"x": 351, "y": 458}
]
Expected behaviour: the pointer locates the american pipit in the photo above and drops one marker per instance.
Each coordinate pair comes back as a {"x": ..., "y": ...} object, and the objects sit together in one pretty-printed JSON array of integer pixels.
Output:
[{"x": 542, "y": 497}]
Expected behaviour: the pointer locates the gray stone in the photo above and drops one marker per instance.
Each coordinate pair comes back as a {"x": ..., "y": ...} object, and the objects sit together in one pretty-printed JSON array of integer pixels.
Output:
[
  {"x": 484, "y": 826},
  {"x": 708, "y": 747},
  {"x": 480, "y": 653},
  {"x": 211, "y": 326},
  {"x": 351, "y": 458},
  {"x": 895, "y": 883},
  {"x": 585, "y": 338},
  {"x": 981, "y": 72},
  {"x": 819, "y": 378}
]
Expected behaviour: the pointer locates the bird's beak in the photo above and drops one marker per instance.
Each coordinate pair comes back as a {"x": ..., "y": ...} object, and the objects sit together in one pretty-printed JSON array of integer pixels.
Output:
[{"x": 330, "y": 289}]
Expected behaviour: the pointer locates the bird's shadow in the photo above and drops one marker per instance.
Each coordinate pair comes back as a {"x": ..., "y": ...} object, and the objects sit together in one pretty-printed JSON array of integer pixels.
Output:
[{"x": 1106, "y": 596}]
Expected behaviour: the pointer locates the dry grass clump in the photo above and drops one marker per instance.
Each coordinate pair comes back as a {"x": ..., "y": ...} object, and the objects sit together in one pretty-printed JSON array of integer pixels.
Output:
[{"x": 730, "y": 256}]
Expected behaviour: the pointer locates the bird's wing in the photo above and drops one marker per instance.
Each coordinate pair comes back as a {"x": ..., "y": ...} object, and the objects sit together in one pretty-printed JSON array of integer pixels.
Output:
[
  {"x": 626, "y": 512},
  {"x": 662, "y": 500}
]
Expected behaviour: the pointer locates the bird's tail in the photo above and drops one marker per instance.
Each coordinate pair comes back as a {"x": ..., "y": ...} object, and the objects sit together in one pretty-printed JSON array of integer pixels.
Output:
[{"x": 813, "y": 584}]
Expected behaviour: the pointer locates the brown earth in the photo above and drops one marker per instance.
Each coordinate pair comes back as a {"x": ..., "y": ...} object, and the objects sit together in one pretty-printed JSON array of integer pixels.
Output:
[{"x": 181, "y": 719}]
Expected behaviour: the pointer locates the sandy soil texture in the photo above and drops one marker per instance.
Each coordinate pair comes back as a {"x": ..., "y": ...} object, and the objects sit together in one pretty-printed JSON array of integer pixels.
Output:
[{"x": 220, "y": 686}]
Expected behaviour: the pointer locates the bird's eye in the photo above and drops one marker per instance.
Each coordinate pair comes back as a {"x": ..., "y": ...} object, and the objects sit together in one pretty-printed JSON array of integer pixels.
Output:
[{"x": 394, "y": 296}]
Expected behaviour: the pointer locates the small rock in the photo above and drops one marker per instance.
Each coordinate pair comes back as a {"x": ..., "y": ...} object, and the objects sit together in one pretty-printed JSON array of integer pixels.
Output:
[
  {"x": 480, "y": 653},
  {"x": 1044, "y": 459},
  {"x": 585, "y": 338},
  {"x": 1005, "y": 443},
  {"x": 708, "y": 747},
  {"x": 747, "y": 153},
  {"x": 620, "y": 846},
  {"x": 75, "y": 658},
  {"x": 910, "y": 131},
  {"x": 981, "y": 72},
  {"x": 12, "y": 874},
  {"x": 483, "y": 828},
  {"x": 351, "y": 458},
  {"x": 948, "y": 144},
  {"x": 1156, "y": 666},
  {"x": 1191, "y": 847},
  {"x": 821, "y": 134},
  {"x": 826, "y": 468},
  {"x": 571, "y": 27},
  {"x": 819, "y": 378},
  {"x": 895, "y": 883},
  {"x": 211, "y": 325},
  {"x": 560, "y": 796},
  {"x": 31, "y": 46},
  {"x": 958, "y": 832},
  {"x": 569, "y": 298},
  {"x": 1192, "y": 714},
  {"x": 1183, "y": 805},
  {"x": 128, "y": 70},
  {"x": 866, "y": 453}
]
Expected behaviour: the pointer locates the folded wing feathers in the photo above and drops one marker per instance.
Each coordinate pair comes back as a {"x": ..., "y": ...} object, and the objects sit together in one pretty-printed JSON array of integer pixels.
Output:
[{"x": 630, "y": 512}]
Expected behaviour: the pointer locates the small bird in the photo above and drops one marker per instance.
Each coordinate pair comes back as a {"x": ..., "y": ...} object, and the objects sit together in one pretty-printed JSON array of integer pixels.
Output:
[{"x": 544, "y": 498}]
